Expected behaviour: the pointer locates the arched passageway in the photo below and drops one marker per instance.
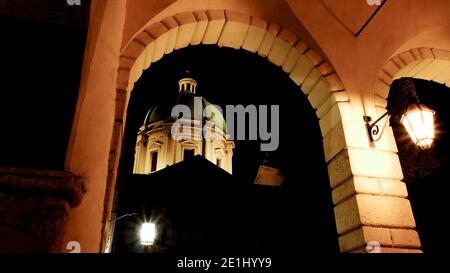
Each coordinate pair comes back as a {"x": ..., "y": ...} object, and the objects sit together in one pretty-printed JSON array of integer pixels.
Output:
[
  {"x": 268, "y": 218},
  {"x": 305, "y": 67}
]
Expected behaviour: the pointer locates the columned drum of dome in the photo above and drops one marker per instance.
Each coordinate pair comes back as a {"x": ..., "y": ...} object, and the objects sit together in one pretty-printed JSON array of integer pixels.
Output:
[{"x": 157, "y": 147}]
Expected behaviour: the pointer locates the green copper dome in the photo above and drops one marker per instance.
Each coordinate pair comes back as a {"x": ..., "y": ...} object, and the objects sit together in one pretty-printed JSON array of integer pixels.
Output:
[{"x": 162, "y": 112}]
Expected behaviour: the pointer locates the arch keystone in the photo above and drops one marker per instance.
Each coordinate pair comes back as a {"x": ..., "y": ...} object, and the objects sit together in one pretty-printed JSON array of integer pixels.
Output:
[
  {"x": 268, "y": 40},
  {"x": 235, "y": 30},
  {"x": 187, "y": 26},
  {"x": 200, "y": 27},
  {"x": 255, "y": 34},
  {"x": 172, "y": 26},
  {"x": 215, "y": 26}
]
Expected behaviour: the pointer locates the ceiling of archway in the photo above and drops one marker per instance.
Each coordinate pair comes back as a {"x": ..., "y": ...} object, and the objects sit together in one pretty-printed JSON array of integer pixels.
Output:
[
  {"x": 144, "y": 13},
  {"x": 352, "y": 14}
]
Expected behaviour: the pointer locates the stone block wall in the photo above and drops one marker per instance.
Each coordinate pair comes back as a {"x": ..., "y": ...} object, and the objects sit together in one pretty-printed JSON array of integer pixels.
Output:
[{"x": 34, "y": 209}]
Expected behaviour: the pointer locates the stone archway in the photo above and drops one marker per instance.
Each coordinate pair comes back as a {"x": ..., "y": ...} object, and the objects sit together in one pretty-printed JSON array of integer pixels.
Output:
[
  {"x": 315, "y": 76},
  {"x": 422, "y": 63}
]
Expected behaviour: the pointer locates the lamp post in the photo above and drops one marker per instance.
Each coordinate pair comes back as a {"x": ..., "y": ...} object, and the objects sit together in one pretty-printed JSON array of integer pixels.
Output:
[
  {"x": 417, "y": 118},
  {"x": 112, "y": 223},
  {"x": 147, "y": 232},
  {"x": 125, "y": 215}
]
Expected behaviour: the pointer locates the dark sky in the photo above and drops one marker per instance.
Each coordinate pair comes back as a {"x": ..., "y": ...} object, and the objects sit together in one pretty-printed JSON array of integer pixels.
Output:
[{"x": 41, "y": 66}]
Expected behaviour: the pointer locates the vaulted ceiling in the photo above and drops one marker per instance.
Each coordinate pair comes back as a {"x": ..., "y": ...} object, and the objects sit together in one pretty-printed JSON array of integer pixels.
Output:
[{"x": 352, "y": 14}]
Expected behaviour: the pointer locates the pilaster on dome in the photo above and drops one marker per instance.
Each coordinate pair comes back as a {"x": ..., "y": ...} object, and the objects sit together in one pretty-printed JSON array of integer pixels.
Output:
[{"x": 187, "y": 85}]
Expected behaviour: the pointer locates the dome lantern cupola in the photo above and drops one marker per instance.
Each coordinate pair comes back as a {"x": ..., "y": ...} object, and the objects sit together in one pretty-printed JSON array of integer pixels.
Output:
[{"x": 187, "y": 85}]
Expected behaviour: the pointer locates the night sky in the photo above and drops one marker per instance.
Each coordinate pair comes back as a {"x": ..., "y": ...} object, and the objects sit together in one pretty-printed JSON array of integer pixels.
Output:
[{"x": 41, "y": 69}]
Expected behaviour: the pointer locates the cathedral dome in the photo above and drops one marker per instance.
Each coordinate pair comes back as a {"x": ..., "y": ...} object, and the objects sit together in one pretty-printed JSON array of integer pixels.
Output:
[
  {"x": 157, "y": 146},
  {"x": 157, "y": 113},
  {"x": 162, "y": 112}
]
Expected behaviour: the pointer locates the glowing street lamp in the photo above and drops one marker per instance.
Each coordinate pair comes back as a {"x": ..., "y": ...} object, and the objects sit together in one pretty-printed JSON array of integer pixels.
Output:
[
  {"x": 419, "y": 122},
  {"x": 148, "y": 233},
  {"x": 416, "y": 118}
]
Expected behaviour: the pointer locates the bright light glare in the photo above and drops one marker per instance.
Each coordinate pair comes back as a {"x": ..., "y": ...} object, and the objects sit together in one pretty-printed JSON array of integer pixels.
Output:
[
  {"x": 419, "y": 122},
  {"x": 148, "y": 233}
]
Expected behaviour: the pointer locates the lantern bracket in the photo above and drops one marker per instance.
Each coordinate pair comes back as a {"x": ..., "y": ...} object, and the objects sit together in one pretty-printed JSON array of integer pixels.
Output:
[
  {"x": 373, "y": 129},
  {"x": 408, "y": 98},
  {"x": 125, "y": 215}
]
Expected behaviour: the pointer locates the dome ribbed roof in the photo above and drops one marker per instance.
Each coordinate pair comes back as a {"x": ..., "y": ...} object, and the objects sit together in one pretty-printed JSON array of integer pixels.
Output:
[{"x": 161, "y": 112}]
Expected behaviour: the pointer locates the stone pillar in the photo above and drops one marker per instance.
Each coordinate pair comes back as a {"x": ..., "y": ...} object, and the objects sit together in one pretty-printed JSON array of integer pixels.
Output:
[
  {"x": 370, "y": 199},
  {"x": 34, "y": 209},
  {"x": 372, "y": 207},
  {"x": 98, "y": 125}
]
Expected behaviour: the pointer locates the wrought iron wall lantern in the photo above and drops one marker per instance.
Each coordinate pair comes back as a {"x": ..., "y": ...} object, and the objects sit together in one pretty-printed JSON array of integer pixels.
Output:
[{"x": 417, "y": 118}]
